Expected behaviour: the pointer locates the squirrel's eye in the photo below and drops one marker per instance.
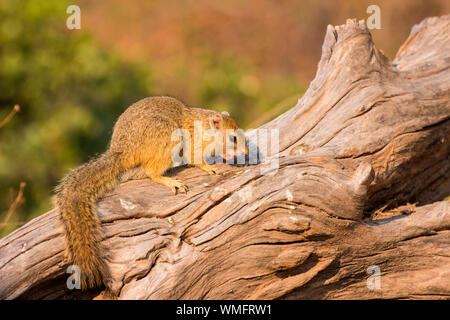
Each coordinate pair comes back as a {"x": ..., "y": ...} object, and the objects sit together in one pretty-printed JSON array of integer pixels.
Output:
[{"x": 233, "y": 139}]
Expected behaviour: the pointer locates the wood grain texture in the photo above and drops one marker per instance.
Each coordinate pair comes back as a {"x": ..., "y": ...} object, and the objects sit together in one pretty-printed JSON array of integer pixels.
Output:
[{"x": 368, "y": 138}]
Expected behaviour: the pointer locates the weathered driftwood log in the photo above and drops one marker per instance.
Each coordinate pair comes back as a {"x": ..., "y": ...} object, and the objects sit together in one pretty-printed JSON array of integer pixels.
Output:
[{"x": 369, "y": 135}]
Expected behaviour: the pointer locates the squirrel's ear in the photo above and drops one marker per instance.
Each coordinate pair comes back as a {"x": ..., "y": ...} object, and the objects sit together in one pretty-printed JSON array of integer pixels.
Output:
[
  {"x": 216, "y": 121},
  {"x": 225, "y": 113}
]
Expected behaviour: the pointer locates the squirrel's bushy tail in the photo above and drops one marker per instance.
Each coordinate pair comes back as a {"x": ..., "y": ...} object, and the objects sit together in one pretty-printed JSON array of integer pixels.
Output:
[{"x": 76, "y": 196}]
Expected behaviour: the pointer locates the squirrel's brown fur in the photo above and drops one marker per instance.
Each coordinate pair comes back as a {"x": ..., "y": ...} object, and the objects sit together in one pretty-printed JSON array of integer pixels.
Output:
[{"x": 141, "y": 137}]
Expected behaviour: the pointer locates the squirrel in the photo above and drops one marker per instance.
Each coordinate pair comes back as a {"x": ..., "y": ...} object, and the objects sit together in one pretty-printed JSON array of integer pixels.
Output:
[{"x": 142, "y": 137}]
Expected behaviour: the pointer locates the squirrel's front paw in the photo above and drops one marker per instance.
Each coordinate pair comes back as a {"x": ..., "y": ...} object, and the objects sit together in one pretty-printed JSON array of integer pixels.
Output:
[
  {"x": 179, "y": 186},
  {"x": 210, "y": 169}
]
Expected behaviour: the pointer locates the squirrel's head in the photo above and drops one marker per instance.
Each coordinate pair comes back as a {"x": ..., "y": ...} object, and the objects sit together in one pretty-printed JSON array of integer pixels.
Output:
[{"x": 230, "y": 140}]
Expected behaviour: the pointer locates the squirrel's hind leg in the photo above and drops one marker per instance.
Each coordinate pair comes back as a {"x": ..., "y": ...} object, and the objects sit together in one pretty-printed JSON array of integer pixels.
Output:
[
  {"x": 154, "y": 169},
  {"x": 174, "y": 184}
]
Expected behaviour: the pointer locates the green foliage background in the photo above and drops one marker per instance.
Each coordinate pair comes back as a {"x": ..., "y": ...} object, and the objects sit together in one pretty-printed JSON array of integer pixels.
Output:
[{"x": 71, "y": 90}]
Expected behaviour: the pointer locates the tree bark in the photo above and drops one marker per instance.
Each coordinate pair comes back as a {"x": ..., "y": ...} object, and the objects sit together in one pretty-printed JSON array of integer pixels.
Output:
[{"x": 326, "y": 216}]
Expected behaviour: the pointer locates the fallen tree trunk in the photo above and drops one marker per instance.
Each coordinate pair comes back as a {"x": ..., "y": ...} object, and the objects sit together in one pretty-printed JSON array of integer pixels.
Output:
[{"x": 327, "y": 216}]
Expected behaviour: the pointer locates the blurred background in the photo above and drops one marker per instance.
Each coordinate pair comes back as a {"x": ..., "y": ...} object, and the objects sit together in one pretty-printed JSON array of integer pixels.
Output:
[{"x": 252, "y": 58}]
